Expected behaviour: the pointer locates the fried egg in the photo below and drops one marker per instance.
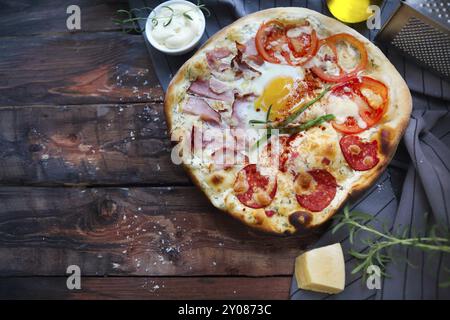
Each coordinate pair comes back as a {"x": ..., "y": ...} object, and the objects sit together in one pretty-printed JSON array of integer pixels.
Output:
[{"x": 274, "y": 87}]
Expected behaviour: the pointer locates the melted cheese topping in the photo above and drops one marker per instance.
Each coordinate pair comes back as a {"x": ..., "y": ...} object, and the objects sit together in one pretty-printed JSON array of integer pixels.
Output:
[
  {"x": 297, "y": 31},
  {"x": 373, "y": 98},
  {"x": 344, "y": 107},
  {"x": 348, "y": 57},
  {"x": 311, "y": 148}
]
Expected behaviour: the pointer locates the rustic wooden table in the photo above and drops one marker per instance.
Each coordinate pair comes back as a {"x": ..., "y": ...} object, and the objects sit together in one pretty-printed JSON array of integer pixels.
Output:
[{"x": 86, "y": 177}]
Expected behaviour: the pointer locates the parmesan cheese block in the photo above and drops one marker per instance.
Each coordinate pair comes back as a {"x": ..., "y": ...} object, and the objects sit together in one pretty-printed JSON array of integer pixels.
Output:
[{"x": 321, "y": 269}]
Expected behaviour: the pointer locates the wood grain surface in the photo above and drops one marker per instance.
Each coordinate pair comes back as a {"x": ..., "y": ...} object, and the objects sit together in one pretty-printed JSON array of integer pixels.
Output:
[
  {"x": 147, "y": 288},
  {"x": 49, "y": 16},
  {"x": 157, "y": 231},
  {"x": 87, "y": 145},
  {"x": 86, "y": 176},
  {"x": 78, "y": 68}
]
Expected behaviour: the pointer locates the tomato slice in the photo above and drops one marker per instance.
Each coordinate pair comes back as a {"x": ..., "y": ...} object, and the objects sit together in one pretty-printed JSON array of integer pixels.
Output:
[
  {"x": 373, "y": 113},
  {"x": 303, "y": 47},
  {"x": 371, "y": 116},
  {"x": 350, "y": 126},
  {"x": 369, "y": 111},
  {"x": 272, "y": 38},
  {"x": 332, "y": 42},
  {"x": 268, "y": 33}
]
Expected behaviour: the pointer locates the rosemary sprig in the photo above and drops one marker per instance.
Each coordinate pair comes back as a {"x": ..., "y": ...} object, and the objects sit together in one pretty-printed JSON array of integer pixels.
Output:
[
  {"x": 268, "y": 134},
  {"x": 379, "y": 248},
  {"x": 292, "y": 117},
  {"x": 309, "y": 124},
  {"x": 263, "y": 139},
  {"x": 258, "y": 121},
  {"x": 129, "y": 20},
  {"x": 185, "y": 14},
  {"x": 283, "y": 124},
  {"x": 165, "y": 24},
  {"x": 268, "y": 113}
]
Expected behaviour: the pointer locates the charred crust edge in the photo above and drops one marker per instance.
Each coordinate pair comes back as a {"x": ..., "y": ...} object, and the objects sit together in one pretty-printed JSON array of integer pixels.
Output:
[{"x": 301, "y": 220}]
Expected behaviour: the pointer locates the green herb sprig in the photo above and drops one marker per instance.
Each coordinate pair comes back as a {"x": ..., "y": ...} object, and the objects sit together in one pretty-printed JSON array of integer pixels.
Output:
[
  {"x": 309, "y": 124},
  {"x": 183, "y": 14},
  {"x": 129, "y": 20},
  {"x": 380, "y": 245},
  {"x": 292, "y": 117},
  {"x": 268, "y": 134},
  {"x": 282, "y": 126}
]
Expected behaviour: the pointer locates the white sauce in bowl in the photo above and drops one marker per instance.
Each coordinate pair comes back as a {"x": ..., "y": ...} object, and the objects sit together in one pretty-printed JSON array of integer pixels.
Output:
[{"x": 178, "y": 27}]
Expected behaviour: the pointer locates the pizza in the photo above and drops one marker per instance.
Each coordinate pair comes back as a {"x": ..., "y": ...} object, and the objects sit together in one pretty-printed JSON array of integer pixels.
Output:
[{"x": 285, "y": 114}]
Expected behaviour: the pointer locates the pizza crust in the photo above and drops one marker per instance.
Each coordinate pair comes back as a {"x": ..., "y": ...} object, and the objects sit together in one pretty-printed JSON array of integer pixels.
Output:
[{"x": 391, "y": 127}]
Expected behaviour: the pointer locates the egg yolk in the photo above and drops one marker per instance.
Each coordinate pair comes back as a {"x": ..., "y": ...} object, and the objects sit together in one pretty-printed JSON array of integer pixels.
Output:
[{"x": 276, "y": 94}]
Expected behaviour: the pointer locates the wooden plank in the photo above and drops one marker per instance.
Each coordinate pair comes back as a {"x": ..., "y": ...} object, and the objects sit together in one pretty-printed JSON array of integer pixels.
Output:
[
  {"x": 81, "y": 145},
  {"x": 273, "y": 288},
  {"x": 49, "y": 16},
  {"x": 137, "y": 231},
  {"x": 79, "y": 68}
]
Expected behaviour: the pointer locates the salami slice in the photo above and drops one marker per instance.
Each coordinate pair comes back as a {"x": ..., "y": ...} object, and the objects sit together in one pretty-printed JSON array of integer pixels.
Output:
[
  {"x": 315, "y": 189},
  {"x": 253, "y": 189},
  {"x": 360, "y": 155}
]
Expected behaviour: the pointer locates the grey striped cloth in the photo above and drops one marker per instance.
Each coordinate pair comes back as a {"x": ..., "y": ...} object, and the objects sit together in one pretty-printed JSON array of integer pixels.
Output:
[
  {"x": 414, "y": 192},
  {"x": 424, "y": 200}
]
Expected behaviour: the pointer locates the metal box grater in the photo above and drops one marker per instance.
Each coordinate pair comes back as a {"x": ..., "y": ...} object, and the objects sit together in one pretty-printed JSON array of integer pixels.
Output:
[{"x": 420, "y": 29}]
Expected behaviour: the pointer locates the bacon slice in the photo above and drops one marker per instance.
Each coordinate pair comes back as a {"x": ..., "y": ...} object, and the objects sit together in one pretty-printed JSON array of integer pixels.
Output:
[
  {"x": 218, "y": 54},
  {"x": 322, "y": 189},
  {"x": 217, "y": 86},
  {"x": 239, "y": 109},
  {"x": 202, "y": 89},
  {"x": 215, "y": 56},
  {"x": 241, "y": 66},
  {"x": 360, "y": 155},
  {"x": 192, "y": 137},
  {"x": 259, "y": 190},
  {"x": 250, "y": 52},
  {"x": 199, "y": 107},
  {"x": 211, "y": 137}
]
